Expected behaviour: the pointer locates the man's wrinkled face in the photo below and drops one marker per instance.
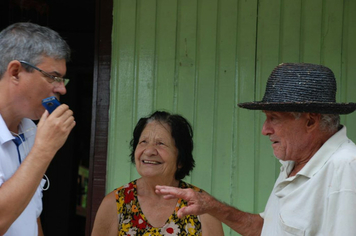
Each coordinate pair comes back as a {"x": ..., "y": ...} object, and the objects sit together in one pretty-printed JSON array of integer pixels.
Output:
[{"x": 286, "y": 134}]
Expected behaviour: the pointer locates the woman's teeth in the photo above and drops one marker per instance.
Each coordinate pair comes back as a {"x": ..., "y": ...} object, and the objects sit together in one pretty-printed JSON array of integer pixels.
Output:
[{"x": 151, "y": 162}]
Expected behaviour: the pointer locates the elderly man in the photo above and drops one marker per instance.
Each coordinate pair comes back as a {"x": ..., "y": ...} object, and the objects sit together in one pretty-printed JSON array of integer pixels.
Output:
[
  {"x": 32, "y": 64},
  {"x": 315, "y": 193}
]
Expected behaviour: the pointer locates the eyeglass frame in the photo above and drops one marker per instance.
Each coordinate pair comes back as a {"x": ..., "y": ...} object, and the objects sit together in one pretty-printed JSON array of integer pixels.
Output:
[{"x": 65, "y": 81}]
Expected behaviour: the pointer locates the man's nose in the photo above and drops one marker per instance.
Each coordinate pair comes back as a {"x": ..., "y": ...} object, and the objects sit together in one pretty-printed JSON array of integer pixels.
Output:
[
  {"x": 266, "y": 128},
  {"x": 60, "y": 88}
]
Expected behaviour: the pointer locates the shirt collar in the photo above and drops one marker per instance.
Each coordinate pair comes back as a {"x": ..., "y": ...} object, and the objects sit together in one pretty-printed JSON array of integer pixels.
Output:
[
  {"x": 26, "y": 126},
  {"x": 5, "y": 134},
  {"x": 324, "y": 153}
]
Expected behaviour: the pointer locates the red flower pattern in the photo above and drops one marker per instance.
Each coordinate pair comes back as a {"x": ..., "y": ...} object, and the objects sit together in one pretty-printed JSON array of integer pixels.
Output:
[
  {"x": 129, "y": 195},
  {"x": 133, "y": 218},
  {"x": 138, "y": 222},
  {"x": 170, "y": 230}
]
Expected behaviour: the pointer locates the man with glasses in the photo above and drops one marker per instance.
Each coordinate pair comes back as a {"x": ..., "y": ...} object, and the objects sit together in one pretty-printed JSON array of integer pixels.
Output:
[{"x": 32, "y": 65}]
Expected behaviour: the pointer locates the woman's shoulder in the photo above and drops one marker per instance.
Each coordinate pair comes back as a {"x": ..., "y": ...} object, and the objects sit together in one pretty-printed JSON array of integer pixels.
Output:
[
  {"x": 125, "y": 192},
  {"x": 126, "y": 187}
]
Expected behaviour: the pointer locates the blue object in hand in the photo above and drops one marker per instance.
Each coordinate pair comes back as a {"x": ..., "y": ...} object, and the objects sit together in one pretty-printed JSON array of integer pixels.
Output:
[{"x": 50, "y": 103}]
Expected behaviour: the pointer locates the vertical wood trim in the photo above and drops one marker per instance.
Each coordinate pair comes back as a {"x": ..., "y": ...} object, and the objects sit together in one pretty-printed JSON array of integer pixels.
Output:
[{"x": 100, "y": 109}]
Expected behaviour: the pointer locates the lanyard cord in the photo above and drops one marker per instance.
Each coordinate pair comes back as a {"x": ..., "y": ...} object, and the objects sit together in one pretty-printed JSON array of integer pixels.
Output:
[{"x": 18, "y": 140}]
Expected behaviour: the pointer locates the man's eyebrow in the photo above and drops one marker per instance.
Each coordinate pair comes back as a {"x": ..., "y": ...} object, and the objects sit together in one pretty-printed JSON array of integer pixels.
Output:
[{"x": 57, "y": 74}]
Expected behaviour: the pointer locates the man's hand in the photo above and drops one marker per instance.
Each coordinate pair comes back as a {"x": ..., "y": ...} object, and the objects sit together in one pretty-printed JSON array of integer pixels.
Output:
[
  {"x": 198, "y": 202},
  {"x": 53, "y": 130},
  {"x": 201, "y": 202}
]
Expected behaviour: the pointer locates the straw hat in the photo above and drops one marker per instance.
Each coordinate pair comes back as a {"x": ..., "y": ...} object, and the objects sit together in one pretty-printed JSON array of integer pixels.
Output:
[{"x": 301, "y": 87}]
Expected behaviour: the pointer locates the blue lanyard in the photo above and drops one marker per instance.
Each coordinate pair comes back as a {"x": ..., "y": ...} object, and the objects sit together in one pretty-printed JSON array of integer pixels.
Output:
[{"x": 18, "y": 140}]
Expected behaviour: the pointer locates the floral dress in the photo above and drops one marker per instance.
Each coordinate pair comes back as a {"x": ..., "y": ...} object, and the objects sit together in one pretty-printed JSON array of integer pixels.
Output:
[{"x": 132, "y": 221}]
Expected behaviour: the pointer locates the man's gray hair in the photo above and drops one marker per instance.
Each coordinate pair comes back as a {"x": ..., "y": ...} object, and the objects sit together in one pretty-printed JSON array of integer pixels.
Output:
[
  {"x": 30, "y": 42},
  {"x": 328, "y": 122}
]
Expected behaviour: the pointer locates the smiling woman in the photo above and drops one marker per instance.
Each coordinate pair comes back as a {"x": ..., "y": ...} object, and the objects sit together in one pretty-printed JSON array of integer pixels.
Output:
[
  {"x": 161, "y": 149},
  {"x": 176, "y": 132},
  {"x": 156, "y": 153}
]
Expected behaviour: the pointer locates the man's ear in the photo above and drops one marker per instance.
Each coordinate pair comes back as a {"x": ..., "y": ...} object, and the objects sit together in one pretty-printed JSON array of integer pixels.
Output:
[
  {"x": 313, "y": 120},
  {"x": 14, "y": 67},
  {"x": 13, "y": 70}
]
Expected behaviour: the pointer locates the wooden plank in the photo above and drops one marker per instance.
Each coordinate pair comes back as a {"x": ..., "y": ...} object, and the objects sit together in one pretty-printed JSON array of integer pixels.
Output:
[
  {"x": 243, "y": 147},
  {"x": 290, "y": 28},
  {"x": 144, "y": 63},
  {"x": 100, "y": 114},
  {"x": 205, "y": 93},
  {"x": 166, "y": 34},
  {"x": 268, "y": 45},
  {"x": 185, "y": 71},
  {"x": 332, "y": 37},
  {"x": 145, "y": 54},
  {"x": 122, "y": 93},
  {"x": 225, "y": 106},
  {"x": 310, "y": 49},
  {"x": 243, "y": 174},
  {"x": 185, "y": 64}
]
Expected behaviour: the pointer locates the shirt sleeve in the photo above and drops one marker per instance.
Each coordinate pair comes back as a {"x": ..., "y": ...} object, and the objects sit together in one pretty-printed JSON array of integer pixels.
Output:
[{"x": 37, "y": 198}]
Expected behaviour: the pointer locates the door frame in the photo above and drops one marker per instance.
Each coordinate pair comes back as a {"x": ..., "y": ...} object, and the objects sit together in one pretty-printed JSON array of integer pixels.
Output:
[{"x": 100, "y": 110}]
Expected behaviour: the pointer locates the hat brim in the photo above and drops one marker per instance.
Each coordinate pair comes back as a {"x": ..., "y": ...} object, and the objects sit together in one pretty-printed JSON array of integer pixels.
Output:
[{"x": 323, "y": 108}]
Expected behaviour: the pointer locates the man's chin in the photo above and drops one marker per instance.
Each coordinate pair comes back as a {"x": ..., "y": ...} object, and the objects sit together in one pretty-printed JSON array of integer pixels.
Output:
[{"x": 278, "y": 156}]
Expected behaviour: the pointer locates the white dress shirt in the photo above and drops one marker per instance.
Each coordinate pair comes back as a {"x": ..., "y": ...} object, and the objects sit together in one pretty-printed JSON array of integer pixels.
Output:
[
  {"x": 321, "y": 198},
  {"x": 26, "y": 223}
]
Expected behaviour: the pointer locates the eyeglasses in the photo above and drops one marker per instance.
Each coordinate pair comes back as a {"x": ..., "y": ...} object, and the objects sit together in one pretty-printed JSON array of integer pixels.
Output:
[{"x": 55, "y": 80}]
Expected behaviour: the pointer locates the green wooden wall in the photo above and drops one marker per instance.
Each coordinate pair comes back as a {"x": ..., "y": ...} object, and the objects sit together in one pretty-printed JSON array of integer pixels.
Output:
[{"x": 199, "y": 58}]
